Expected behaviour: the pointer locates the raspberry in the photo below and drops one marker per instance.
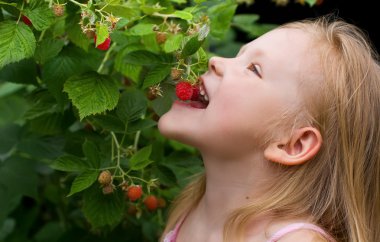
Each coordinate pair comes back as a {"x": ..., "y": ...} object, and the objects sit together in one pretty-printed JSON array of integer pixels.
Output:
[
  {"x": 90, "y": 33},
  {"x": 176, "y": 73},
  {"x": 26, "y": 20},
  {"x": 195, "y": 96},
  {"x": 108, "y": 189},
  {"x": 160, "y": 37},
  {"x": 105, "y": 45},
  {"x": 151, "y": 202},
  {"x": 154, "y": 92},
  {"x": 124, "y": 186},
  {"x": 161, "y": 203},
  {"x": 58, "y": 9},
  {"x": 184, "y": 90},
  {"x": 134, "y": 193},
  {"x": 105, "y": 178},
  {"x": 132, "y": 210}
]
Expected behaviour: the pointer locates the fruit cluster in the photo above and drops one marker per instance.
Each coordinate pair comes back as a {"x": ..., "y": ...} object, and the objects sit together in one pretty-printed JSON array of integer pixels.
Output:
[{"x": 133, "y": 193}]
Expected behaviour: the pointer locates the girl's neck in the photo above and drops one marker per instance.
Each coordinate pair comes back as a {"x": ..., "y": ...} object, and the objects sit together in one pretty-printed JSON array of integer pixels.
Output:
[{"x": 230, "y": 184}]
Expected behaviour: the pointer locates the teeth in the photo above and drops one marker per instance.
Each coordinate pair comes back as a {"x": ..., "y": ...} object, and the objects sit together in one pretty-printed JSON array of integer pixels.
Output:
[{"x": 203, "y": 93}]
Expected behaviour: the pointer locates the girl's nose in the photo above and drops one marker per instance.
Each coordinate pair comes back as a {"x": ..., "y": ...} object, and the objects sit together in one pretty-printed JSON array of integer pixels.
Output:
[{"x": 216, "y": 65}]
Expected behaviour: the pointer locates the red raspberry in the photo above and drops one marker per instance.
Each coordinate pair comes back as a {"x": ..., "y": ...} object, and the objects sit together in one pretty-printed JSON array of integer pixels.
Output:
[
  {"x": 26, "y": 20},
  {"x": 184, "y": 90},
  {"x": 195, "y": 96},
  {"x": 134, "y": 193},
  {"x": 151, "y": 202},
  {"x": 105, "y": 45}
]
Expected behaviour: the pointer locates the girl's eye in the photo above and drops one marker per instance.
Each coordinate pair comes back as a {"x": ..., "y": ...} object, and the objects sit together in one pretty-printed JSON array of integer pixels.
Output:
[{"x": 255, "y": 68}]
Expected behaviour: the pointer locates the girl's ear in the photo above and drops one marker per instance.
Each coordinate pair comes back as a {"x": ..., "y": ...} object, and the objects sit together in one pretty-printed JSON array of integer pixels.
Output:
[{"x": 302, "y": 146}]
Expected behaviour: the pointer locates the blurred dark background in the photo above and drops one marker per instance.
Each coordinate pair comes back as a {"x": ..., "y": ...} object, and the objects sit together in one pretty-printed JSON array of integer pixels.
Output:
[{"x": 361, "y": 13}]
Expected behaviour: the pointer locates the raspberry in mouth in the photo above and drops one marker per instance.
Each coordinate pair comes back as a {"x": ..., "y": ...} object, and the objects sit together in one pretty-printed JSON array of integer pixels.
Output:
[{"x": 194, "y": 95}]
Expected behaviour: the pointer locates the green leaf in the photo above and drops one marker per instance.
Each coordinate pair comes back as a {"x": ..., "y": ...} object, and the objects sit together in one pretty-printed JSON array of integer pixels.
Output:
[
  {"x": 311, "y": 2},
  {"x": 151, "y": 9},
  {"x": 49, "y": 232},
  {"x": 173, "y": 43},
  {"x": 122, "y": 11},
  {"x": 18, "y": 175},
  {"x": 191, "y": 47},
  {"x": 103, "y": 210},
  {"x": 24, "y": 71},
  {"x": 17, "y": 42},
  {"x": 162, "y": 104},
  {"x": 132, "y": 106},
  {"x": 221, "y": 16},
  {"x": 257, "y": 30},
  {"x": 43, "y": 103},
  {"x": 141, "y": 29},
  {"x": 109, "y": 122},
  {"x": 47, "y": 49},
  {"x": 245, "y": 19},
  {"x": 57, "y": 70},
  {"x": 47, "y": 124},
  {"x": 41, "y": 17},
  {"x": 91, "y": 152},
  {"x": 140, "y": 125},
  {"x": 75, "y": 33},
  {"x": 142, "y": 57},
  {"x": 178, "y": 1},
  {"x": 83, "y": 181},
  {"x": 130, "y": 71},
  {"x": 9, "y": 137},
  {"x": 183, "y": 15},
  {"x": 70, "y": 163},
  {"x": 41, "y": 148},
  {"x": 101, "y": 34},
  {"x": 92, "y": 93},
  {"x": 8, "y": 105},
  {"x": 141, "y": 158},
  {"x": 156, "y": 75}
]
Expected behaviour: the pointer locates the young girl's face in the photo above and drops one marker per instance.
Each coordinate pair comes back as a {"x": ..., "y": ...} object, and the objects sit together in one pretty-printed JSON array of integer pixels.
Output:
[{"x": 247, "y": 94}]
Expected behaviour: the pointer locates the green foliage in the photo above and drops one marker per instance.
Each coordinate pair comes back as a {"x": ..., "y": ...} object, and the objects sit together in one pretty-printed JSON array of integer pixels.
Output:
[
  {"x": 70, "y": 112},
  {"x": 17, "y": 42}
]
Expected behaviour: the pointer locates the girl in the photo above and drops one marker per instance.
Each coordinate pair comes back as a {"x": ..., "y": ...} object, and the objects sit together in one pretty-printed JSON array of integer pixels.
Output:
[{"x": 290, "y": 141}]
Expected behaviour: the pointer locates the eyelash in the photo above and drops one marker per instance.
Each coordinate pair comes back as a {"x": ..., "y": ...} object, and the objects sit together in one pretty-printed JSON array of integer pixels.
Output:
[{"x": 252, "y": 67}]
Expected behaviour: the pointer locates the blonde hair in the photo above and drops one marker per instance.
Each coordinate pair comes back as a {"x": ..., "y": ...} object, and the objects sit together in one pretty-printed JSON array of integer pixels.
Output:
[{"x": 339, "y": 189}]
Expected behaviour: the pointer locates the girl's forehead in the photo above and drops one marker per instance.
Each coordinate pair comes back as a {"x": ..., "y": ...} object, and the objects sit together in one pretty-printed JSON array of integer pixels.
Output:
[{"x": 281, "y": 39}]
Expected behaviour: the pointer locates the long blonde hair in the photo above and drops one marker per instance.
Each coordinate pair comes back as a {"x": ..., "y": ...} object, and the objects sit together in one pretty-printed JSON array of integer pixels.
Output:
[{"x": 339, "y": 189}]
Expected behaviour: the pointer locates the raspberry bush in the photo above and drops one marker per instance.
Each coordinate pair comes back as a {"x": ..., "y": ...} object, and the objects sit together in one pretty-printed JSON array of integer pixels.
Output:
[{"x": 82, "y": 84}]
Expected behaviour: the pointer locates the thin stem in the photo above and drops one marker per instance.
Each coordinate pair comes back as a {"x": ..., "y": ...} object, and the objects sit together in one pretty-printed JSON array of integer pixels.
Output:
[
  {"x": 136, "y": 142},
  {"x": 77, "y": 3},
  {"x": 22, "y": 8},
  {"x": 41, "y": 35},
  {"x": 106, "y": 57}
]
